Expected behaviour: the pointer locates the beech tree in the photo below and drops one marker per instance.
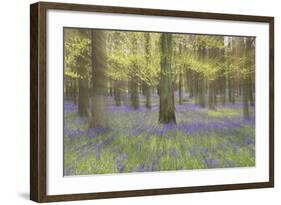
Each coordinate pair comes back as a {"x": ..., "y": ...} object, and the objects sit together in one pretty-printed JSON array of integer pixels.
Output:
[
  {"x": 167, "y": 105},
  {"x": 147, "y": 69},
  {"x": 97, "y": 112}
]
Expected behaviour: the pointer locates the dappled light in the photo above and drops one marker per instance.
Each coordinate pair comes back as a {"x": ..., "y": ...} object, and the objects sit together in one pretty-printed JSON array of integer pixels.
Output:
[{"x": 148, "y": 101}]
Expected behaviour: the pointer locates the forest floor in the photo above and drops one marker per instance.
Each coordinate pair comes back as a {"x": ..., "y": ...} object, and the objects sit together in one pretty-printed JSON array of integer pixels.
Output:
[{"x": 135, "y": 142}]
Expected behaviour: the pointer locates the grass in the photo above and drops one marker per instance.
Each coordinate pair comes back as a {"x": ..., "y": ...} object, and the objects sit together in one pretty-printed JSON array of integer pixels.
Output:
[
  {"x": 226, "y": 112},
  {"x": 135, "y": 142}
]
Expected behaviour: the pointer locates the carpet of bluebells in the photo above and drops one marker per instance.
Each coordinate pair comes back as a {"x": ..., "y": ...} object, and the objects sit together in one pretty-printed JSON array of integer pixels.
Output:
[{"x": 134, "y": 141}]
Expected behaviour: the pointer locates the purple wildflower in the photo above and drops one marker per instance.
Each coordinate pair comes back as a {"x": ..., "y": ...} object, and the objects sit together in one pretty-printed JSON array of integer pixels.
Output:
[
  {"x": 248, "y": 141},
  {"x": 174, "y": 153},
  {"x": 153, "y": 165},
  {"x": 119, "y": 165},
  {"x": 141, "y": 167},
  {"x": 67, "y": 171},
  {"x": 120, "y": 162},
  {"x": 192, "y": 151},
  {"x": 229, "y": 163},
  {"x": 205, "y": 150},
  {"x": 211, "y": 163}
]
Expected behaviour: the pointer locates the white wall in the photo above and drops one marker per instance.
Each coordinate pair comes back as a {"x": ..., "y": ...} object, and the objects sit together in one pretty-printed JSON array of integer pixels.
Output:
[{"x": 14, "y": 101}]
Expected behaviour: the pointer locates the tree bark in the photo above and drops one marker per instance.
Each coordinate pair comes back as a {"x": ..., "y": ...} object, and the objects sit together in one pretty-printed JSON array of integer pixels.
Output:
[
  {"x": 67, "y": 88},
  {"x": 147, "y": 93},
  {"x": 229, "y": 88},
  {"x": 223, "y": 90},
  {"x": 251, "y": 92},
  {"x": 201, "y": 79},
  {"x": 111, "y": 87},
  {"x": 147, "y": 88},
  {"x": 232, "y": 89},
  {"x": 75, "y": 91},
  {"x": 167, "y": 106},
  {"x": 97, "y": 114},
  {"x": 212, "y": 99},
  {"x": 201, "y": 91},
  {"x": 190, "y": 82},
  {"x": 245, "y": 98},
  {"x": 180, "y": 88},
  {"x": 134, "y": 93},
  {"x": 117, "y": 92},
  {"x": 247, "y": 79},
  {"x": 83, "y": 95}
]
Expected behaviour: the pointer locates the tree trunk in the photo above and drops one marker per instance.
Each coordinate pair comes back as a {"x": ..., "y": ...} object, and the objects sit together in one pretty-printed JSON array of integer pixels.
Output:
[
  {"x": 201, "y": 90},
  {"x": 158, "y": 89},
  {"x": 147, "y": 93},
  {"x": 190, "y": 82},
  {"x": 215, "y": 93},
  {"x": 117, "y": 92},
  {"x": 251, "y": 91},
  {"x": 82, "y": 98},
  {"x": 97, "y": 114},
  {"x": 195, "y": 81},
  {"x": 71, "y": 90},
  {"x": 75, "y": 91},
  {"x": 167, "y": 106},
  {"x": 224, "y": 91},
  {"x": 146, "y": 86},
  {"x": 111, "y": 87},
  {"x": 245, "y": 98},
  {"x": 134, "y": 79},
  {"x": 212, "y": 95},
  {"x": 82, "y": 89},
  {"x": 233, "y": 90},
  {"x": 67, "y": 88},
  {"x": 229, "y": 88},
  {"x": 180, "y": 76},
  {"x": 180, "y": 88},
  {"x": 134, "y": 93},
  {"x": 202, "y": 53}
]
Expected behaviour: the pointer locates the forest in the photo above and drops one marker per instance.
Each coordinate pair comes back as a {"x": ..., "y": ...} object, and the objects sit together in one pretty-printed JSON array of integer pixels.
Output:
[{"x": 149, "y": 101}]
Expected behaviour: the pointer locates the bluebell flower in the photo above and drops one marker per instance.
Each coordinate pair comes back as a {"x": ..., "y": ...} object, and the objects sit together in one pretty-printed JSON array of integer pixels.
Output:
[
  {"x": 174, "y": 153},
  {"x": 192, "y": 151},
  {"x": 248, "y": 141},
  {"x": 67, "y": 171},
  {"x": 119, "y": 165},
  {"x": 141, "y": 167},
  {"x": 211, "y": 163},
  {"x": 205, "y": 150},
  {"x": 153, "y": 166}
]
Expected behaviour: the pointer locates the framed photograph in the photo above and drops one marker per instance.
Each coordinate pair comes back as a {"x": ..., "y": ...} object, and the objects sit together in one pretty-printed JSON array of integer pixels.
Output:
[{"x": 134, "y": 102}]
